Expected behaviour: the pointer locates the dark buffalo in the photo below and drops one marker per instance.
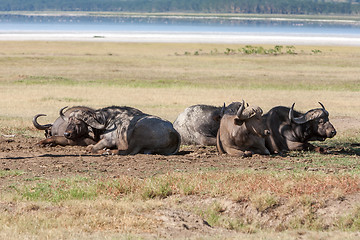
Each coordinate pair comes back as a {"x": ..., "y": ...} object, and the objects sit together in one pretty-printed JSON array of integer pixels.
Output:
[
  {"x": 126, "y": 129},
  {"x": 242, "y": 134},
  {"x": 198, "y": 124},
  {"x": 54, "y": 133},
  {"x": 292, "y": 130}
]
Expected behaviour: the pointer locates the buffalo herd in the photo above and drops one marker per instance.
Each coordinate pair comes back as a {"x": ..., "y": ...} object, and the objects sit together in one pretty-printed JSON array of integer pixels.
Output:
[{"x": 238, "y": 129}]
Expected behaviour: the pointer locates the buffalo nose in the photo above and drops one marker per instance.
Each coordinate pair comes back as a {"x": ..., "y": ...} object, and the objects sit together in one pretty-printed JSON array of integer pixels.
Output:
[
  {"x": 66, "y": 134},
  {"x": 333, "y": 132}
]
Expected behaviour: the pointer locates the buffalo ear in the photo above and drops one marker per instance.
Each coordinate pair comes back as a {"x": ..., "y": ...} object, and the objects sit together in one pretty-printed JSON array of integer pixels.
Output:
[
  {"x": 217, "y": 118},
  {"x": 238, "y": 121},
  {"x": 90, "y": 119}
]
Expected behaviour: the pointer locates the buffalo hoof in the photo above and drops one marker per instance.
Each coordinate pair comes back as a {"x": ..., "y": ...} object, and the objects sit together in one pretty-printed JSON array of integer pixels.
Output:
[
  {"x": 248, "y": 154},
  {"x": 320, "y": 150},
  {"x": 90, "y": 149},
  {"x": 45, "y": 142}
]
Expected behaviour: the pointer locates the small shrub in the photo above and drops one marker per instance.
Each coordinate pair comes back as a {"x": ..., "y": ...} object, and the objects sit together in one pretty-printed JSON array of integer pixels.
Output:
[
  {"x": 316, "y": 51},
  {"x": 264, "y": 201},
  {"x": 290, "y": 50},
  {"x": 156, "y": 188}
]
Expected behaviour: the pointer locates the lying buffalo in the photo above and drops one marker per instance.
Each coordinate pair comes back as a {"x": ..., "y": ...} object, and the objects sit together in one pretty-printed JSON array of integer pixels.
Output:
[
  {"x": 242, "y": 134},
  {"x": 54, "y": 133},
  {"x": 126, "y": 129},
  {"x": 292, "y": 130},
  {"x": 198, "y": 124}
]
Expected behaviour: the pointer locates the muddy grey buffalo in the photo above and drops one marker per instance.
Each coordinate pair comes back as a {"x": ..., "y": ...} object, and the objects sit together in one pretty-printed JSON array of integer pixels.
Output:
[
  {"x": 292, "y": 130},
  {"x": 242, "y": 133},
  {"x": 198, "y": 124},
  {"x": 54, "y": 133},
  {"x": 126, "y": 129}
]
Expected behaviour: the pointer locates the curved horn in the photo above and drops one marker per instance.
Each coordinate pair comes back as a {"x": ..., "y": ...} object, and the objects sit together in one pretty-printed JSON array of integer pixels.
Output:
[
  {"x": 62, "y": 115},
  {"x": 323, "y": 108},
  {"x": 322, "y": 105},
  {"x": 241, "y": 109},
  {"x": 39, "y": 126},
  {"x": 299, "y": 120}
]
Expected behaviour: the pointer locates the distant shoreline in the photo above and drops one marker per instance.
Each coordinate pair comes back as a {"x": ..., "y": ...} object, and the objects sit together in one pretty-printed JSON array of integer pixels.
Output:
[
  {"x": 338, "y": 19},
  {"x": 162, "y": 37}
]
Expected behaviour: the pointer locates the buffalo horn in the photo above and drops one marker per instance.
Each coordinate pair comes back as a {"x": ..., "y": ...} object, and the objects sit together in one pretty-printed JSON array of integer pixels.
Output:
[
  {"x": 299, "y": 120},
  {"x": 39, "y": 126},
  {"x": 241, "y": 109},
  {"x": 322, "y": 105},
  {"x": 62, "y": 115},
  {"x": 325, "y": 111},
  {"x": 222, "y": 112}
]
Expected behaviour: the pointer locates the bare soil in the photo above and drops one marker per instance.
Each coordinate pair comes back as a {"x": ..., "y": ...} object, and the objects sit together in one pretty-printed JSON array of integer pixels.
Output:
[{"x": 23, "y": 154}]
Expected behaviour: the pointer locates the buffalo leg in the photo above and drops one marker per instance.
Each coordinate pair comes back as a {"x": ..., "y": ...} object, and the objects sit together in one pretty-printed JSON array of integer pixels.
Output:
[
  {"x": 103, "y": 143},
  {"x": 63, "y": 141},
  {"x": 238, "y": 153},
  {"x": 132, "y": 150},
  {"x": 55, "y": 140}
]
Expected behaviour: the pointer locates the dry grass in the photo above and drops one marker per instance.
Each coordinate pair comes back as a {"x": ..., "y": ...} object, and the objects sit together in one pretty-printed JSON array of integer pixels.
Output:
[
  {"x": 128, "y": 205},
  {"x": 76, "y": 219},
  {"x": 42, "y": 77}
]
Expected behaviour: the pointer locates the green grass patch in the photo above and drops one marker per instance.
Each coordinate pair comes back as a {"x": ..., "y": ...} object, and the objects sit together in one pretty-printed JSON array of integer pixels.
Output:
[
  {"x": 41, "y": 80},
  {"x": 11, "y": 173},
  {"x": 63, "y": 99},
  {"x": 245, "y": 183},
  {"x": 60, "y": 190}
]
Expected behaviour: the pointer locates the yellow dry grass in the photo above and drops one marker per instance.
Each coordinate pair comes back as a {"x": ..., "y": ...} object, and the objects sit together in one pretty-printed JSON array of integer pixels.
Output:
[
  {"x": 77, "y": 219},
  {"x": 163, "y": 79}
]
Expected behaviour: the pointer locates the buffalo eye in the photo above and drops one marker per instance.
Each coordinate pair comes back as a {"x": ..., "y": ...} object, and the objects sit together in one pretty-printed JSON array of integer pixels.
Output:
[{"x": 321, "y": 120}]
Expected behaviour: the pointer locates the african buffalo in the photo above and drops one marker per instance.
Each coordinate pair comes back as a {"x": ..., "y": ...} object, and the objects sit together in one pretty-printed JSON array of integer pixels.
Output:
[
  {"x": 242, "y": 134},
  {"x": 292, "y": 130},
  {"x": 126, "y": 129},
  {"x": 54, "y": 133},
  {"x": 198, "y": 124}
]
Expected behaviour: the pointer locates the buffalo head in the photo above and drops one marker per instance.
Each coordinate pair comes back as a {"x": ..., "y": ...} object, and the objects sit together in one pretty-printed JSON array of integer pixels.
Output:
[
  {"x": 251, "y": 116},
  {"x": 79, "y": 122},
  {"x": 317, "y": 123}
]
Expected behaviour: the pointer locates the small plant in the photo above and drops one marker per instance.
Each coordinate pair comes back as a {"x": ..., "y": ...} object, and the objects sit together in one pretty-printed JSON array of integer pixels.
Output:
[
  {"x": 156, "y": 188},
  {"x": 290, "y": 50},
  {"x": 264, "y": 201},
  {"x": 278, "y": 49},
  {"x": 229, "y": 51},
  {"x": 215, "y": 51},
  {"x": 316, "y": 51},
  {"x": 248, "y": 49},
  {"x": 212, "y": 214}
]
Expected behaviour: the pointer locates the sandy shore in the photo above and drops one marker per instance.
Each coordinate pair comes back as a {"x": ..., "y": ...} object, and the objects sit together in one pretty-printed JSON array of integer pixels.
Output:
[{"x": 236, "y": 38}]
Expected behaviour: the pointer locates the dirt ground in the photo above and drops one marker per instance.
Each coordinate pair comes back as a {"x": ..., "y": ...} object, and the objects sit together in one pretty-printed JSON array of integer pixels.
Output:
[
  {"x": 20, "y": 153},
  {"x": 23, "y": 154}
]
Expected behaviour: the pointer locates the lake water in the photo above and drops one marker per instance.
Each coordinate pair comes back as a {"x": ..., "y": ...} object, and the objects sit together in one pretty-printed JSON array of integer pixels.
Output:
[{"x": 180, "y": 29}]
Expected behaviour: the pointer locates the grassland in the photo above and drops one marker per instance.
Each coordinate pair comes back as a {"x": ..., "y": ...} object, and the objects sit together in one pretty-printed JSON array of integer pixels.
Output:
[{"x": 163, "y": 79}]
